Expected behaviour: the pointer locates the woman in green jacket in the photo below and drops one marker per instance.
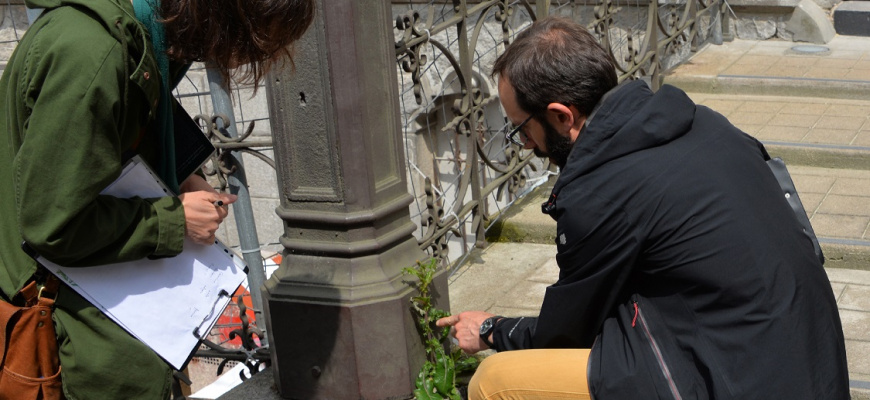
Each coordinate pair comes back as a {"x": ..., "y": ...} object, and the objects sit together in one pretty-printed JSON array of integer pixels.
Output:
[{"x": 88, "y": 85}]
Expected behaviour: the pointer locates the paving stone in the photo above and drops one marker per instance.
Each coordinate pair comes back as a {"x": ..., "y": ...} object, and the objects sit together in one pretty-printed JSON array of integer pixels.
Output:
[
  {"x": 852, "y": 205},
  {"x": 848, "y": 276},
  {"x": 751, "y": 129},
  {"x": 838, "y": 289},
  {"x": 863, "y": 138},
  {"x": 769, "y": 48},
  {"x": 793, "y": 134},
  {"x": 845, "y": 54},
  {"x": 858, "y": 75},
  {"x": 837, "y": 63},
  {"x": 750, "y": 118},
  {"x": 697, "y": 98},
  {"x": 511, "y": 312},
  {"x": 711, "y": 69},
  {"x": 526, "y": 294},
  {"x": 547, "y": 273},
  {"x": 830, "y": 136},
  {"x": 786, "y": 71},
  {"x": 811, "y": 202},
  {"x": 826, "y": 73},
  {"x": 841, "y": 122},
  {"x": 856, "y": 297},
  {"x": 476, "y": 291},
  {"x": 756, "y": 60},
  {"x": 811, "y": 183},
  {"x": 852, "y": 186},
  {"x": 796, "y": 120},
  {"x": 839, "y": 226},
  {"x": 723, "y": 107},
  {"x": 856, "y": 324},
  {"x": 858, "y": 358},
  {"x": 746, "y": 69},
  {"x": 805, "y": 108},
  {"x": 765, "y": 106},
  {"x": 849, "y": 110},
  {"x": 799, "y": 60}
]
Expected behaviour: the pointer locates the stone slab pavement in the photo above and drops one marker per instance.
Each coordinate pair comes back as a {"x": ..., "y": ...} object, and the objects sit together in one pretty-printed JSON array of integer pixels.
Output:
[
  {"x": 511, "y": 278},
  {"x": 838, "y": 69}
]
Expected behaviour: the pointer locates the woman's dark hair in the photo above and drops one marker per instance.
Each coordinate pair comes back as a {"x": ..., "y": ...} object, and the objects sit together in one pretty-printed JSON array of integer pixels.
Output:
[
  {"x": 556, "y": 60},
  {"x": 229, "y": 34}
]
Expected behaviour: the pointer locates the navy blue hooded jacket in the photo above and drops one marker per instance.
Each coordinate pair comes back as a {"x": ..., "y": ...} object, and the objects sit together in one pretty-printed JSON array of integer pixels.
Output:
[{"x": 681, "y": 264}]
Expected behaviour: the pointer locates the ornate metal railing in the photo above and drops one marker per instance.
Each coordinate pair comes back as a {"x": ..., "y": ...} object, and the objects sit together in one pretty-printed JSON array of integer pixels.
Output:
[{"x": 461, "y": 171}]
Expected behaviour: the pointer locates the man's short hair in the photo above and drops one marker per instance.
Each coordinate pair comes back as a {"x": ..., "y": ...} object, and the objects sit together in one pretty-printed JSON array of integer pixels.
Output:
[{"x": 556, "y": 60}]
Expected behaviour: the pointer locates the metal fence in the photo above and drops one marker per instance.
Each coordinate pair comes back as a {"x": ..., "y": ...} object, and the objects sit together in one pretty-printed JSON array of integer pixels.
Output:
[{"x": 462, "y": 172}]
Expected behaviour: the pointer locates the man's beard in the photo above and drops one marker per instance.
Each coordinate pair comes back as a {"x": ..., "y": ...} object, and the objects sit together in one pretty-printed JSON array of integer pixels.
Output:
[{"x": 558, "y": 146}]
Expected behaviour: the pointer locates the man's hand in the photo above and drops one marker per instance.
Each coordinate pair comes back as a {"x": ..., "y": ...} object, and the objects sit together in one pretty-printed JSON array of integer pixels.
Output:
[
  {"x": 465, "y": 327},
  {"x": 202, "y": 216}
]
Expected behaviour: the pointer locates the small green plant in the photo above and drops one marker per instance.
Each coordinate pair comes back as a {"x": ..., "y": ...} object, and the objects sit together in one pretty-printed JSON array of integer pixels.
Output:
[{"x": 437, "y": 377}]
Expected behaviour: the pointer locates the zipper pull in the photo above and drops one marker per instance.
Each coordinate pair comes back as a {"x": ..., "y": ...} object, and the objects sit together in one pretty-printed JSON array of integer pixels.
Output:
[
  {"x": 636, "y": 311},
  {"x": 550, "y": 205}
]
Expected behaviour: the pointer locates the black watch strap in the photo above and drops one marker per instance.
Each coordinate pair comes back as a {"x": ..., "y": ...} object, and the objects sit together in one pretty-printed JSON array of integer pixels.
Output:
[{"x": 487, "y": 328}]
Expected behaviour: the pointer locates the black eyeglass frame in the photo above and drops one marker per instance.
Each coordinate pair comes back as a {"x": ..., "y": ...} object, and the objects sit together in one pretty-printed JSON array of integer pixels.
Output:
[{"x": 511, "y": 135}]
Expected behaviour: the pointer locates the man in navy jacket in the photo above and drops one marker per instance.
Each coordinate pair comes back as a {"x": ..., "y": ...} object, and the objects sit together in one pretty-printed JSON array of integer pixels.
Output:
[{"x": 684, "y": 273}]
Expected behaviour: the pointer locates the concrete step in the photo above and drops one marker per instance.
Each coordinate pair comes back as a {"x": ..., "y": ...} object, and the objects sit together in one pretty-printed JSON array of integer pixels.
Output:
[
  {"x": 852, "y": 18},
  {"x": 839, "y": 69}
]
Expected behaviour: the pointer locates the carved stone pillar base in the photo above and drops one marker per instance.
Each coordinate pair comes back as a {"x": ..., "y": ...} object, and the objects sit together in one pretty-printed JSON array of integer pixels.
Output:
[{"x": 368, "y": 349}]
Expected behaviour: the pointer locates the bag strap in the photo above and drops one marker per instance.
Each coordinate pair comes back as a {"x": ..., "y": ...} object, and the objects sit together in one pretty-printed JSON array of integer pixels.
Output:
[
  {"x": 780, "y": 172},
  {"x": 8, "y": 313}
]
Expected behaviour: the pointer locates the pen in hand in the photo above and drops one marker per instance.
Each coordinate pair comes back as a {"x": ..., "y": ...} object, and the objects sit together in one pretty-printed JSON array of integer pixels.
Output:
[{"x": 219, "y": 203}]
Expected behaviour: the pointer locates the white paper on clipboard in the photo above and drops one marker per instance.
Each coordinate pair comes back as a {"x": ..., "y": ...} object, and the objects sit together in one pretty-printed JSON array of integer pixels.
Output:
[{"x": 165, "y": 303}]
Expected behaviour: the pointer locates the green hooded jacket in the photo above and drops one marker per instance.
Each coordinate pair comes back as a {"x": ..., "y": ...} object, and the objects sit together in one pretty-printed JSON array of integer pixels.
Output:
[{"x": 77, "y": 94}]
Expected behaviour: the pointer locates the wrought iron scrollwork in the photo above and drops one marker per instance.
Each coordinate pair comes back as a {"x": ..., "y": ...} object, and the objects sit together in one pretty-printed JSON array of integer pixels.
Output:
[
  {"x": 251, "y": 354},
  {"x": 222, "y": 163}
]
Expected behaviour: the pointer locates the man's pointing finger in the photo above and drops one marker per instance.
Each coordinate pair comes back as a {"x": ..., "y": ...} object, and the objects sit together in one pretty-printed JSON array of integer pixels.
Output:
[{"x": 447, "y": 321}]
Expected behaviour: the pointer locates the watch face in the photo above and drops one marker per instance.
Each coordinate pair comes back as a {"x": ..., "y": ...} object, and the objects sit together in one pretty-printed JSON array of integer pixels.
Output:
[{"x": 486, "y": 326}]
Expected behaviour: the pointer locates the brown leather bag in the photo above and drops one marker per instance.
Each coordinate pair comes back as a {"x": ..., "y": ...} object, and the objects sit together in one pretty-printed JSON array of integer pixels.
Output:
[{"x": 28, "y": 346}]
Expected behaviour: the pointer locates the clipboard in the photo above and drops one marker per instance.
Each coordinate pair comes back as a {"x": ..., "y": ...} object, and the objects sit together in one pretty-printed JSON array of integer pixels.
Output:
[{"x": 169, "y": 304}]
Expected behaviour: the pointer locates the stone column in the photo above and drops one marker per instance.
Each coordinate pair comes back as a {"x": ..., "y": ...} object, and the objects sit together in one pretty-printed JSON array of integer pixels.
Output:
[{"x": 338, "y": 313}]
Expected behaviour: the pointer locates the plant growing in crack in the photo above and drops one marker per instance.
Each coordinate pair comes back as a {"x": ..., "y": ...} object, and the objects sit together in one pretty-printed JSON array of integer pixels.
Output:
[{"x": 437, "y": 377}]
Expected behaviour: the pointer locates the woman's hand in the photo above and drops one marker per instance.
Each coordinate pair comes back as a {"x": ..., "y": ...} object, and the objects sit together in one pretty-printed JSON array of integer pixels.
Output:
[
  {"x": 195, "y": 183},
  {"x": 203, "y": 215}
]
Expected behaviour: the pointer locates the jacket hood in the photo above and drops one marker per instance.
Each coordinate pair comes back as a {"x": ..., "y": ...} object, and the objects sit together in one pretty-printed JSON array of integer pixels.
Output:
[
  {"x": 120, "y": 21},
  {"x": 629, "y": 118}
]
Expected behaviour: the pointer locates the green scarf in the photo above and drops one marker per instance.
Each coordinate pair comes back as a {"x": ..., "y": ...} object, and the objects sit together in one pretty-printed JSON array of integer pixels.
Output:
[{"x": 146, "y": 13}]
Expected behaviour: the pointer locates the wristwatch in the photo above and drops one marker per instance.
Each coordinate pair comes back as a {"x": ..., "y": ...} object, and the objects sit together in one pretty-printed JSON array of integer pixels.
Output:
[{"x": 487, "y": 327}]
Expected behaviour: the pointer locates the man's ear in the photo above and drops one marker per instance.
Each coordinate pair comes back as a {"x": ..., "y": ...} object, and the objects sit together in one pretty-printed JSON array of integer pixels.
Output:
[{"x": 566, "y": 119}]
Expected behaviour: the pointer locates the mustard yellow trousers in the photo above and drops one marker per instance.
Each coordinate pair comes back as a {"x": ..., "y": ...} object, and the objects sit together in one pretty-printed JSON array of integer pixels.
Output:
[{"x": 531, "y": 375}]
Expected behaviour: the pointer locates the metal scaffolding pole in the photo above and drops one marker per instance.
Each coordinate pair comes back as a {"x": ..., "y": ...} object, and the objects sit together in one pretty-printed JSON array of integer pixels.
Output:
[{"x": 238, "y": 184}]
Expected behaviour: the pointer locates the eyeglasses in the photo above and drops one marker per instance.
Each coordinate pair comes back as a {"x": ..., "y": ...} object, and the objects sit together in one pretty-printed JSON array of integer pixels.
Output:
[{"x": 511, "y": 132}]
